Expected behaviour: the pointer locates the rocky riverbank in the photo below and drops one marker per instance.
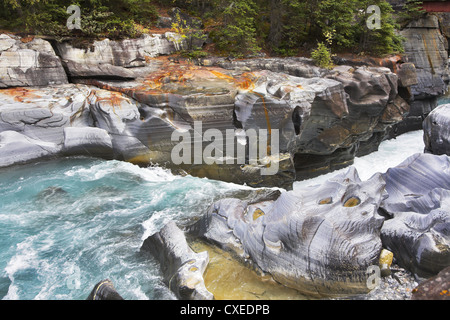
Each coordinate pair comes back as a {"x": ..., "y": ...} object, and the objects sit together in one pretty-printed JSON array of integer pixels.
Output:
[
  {"x": 345, "y": 239},
  {"x": 118, "y": 100},
  {"x": 121, "y": 100}
]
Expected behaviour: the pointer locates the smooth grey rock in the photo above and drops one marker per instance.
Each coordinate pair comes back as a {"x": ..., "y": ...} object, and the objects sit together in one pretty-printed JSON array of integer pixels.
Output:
[
  {"x": 124, "y": 53},
  {"x": 182, "y": 268},
  {"x": 94, "y": 142},
  {"x": 100, "y": 71},
  {"x": 76, "y": 119},
  {"x": 16, "y": 148},
  {"x": 437, "y": 131},
  {"x": 418, "y": 232},
  {"x": 104, "y": 290},
  {"x": 29, "y": 64},
  {"x": 320, "y": 240}
]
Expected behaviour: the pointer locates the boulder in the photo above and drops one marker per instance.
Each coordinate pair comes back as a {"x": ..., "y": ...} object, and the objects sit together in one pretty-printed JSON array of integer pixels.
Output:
[
  {"x": 182, "y": 268},
  {"x": 104, "y": 290},
  {"x": 418, "y": 211},
  {"x": 320, "y": 240},
  {"x": 31, "y": 63},
  {"x": 434, "y": 288},
  {"x": 16, "y": 148},
  {"x": 437, "y": 131}
]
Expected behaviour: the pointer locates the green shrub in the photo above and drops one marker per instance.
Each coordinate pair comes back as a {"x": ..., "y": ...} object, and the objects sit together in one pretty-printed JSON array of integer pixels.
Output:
[{"x": 322, "y": 56}]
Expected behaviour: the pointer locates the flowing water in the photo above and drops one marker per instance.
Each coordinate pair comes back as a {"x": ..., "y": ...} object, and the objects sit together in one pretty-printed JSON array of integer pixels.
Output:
[
  {"x": 445, "y": 98},
  {"x": 67, "y": 224}
]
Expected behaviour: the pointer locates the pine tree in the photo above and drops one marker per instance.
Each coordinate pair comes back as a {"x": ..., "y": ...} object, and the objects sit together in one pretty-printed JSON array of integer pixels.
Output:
[{"x": 238, "y": 34}]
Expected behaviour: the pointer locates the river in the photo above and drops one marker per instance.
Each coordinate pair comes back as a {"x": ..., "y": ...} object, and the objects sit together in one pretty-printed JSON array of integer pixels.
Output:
[{"x": 66, "y": 224}]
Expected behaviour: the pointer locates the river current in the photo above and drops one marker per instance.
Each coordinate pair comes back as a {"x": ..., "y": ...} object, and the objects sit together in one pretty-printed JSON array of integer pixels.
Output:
[{"x": 67, "y": 224}]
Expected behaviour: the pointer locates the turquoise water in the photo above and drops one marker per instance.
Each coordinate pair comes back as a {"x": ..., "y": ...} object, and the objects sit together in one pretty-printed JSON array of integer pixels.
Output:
[
  {"x": 67, "y": 224},
  {"x": 444, "y": 99}
]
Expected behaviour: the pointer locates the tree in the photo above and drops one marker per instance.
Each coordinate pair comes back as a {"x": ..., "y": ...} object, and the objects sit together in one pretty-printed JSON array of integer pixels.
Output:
[
  {"x": 98, "y": 17},
  {"x": 238, "y": 33},
  {"x": 379, "y": 41},
  {"x": 411, "y": 10}
]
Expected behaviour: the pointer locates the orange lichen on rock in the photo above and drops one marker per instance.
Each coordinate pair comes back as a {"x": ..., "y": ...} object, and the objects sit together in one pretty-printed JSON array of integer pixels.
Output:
[
  {"x": 246, "y": 81},
  {"x": 21, "y": 94},
  {"x": 115, "y": 98},
  {"x": 221, "y": 75}
]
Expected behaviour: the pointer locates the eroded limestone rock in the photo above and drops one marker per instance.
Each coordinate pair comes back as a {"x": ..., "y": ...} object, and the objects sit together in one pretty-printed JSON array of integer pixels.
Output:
[
  {"x": 425, "y": 47},
  {"x": 437, "y": 131},
  {"x": 123, "y": 53},
  {"x": 182, "y": 268},
  {"x": 419, "y": 203},
  {"x": 104, "y": 290},
  {"x": 32, "y": 63},
  {"x": 319, "y": 241}
]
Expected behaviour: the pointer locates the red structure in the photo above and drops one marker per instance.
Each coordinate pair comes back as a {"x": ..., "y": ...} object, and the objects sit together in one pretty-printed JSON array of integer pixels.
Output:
[{"x": 436, "y": 6}]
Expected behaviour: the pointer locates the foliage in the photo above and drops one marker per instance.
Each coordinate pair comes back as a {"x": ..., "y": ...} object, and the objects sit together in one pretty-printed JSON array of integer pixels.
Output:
[
  {"x": 187, "y": 38},
  {"x": 238, "y": 34},
  {"x": 380, "y": 41},
  {"x": 322, "y": 56},
  {"x": 238, "y": 27},
  {"x": 412, "y": 9},
  {"x": 110, "y": 18}
]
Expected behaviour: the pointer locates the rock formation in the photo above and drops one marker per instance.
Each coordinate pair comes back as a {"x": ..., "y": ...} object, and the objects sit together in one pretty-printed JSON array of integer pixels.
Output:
[
  {"x": 326, "y": 240},
  {"x": 182, "y": 268},
  {"x": 104, "y": 290},
  {"x": 307, "y": 120},
  {"x": 126, "y": 53},
  {"x": 437, "y": 131},
  {"x": 418, "y": 206},
  {"x": 311, "y": 124},
  {"x": 426, "y": 48},
  {"x": 434, "y": 288},
  {"x": 60, "y": 120},
  {"x": 339, "y": 124},
  {"x": 320, "y": 241},
  {"x": 29, "y": 63}
]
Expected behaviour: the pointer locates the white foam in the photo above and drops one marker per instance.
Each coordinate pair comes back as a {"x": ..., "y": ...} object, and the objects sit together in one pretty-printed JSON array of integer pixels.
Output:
[
  {"x": 26, "y": 257},
  {"x": 157, "y": 221},
  {"x": 100, "y": 170},
  {"x": 386, "y": 157}
]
